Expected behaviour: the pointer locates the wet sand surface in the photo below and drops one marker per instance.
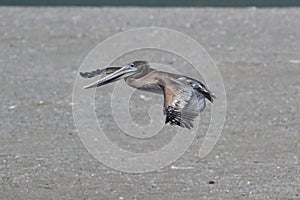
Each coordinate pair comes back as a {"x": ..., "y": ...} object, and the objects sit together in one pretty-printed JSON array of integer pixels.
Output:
[{"x": 257, "y": 154}]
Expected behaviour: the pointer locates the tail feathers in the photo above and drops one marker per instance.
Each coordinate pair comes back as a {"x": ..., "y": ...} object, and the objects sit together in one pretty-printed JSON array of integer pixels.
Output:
[
  {"x": 200, "y": 87},
  {"x": 210, "y": 96}
]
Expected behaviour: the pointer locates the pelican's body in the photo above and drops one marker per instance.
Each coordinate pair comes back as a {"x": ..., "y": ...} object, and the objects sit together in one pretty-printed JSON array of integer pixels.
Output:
[{"x": 184, "y": 97}]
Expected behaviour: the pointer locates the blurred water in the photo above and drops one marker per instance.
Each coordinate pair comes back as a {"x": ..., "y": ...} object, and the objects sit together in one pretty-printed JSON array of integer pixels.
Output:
[{"x": 158, "y": 3}]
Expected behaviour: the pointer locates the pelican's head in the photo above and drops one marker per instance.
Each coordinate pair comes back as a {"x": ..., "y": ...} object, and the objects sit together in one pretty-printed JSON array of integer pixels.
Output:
[{"x": 124, "y": 72}]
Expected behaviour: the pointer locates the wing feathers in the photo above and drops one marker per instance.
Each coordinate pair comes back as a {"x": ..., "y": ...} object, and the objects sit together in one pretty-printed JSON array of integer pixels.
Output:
[{"x": 182, "y": 103}]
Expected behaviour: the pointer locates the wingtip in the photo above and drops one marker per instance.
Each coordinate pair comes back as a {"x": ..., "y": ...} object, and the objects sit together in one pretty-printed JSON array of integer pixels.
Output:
[{"x": 84, "y": 74}]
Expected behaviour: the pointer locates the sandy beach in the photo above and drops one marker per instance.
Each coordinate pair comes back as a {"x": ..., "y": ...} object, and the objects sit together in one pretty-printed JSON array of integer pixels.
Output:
[{"x": 256, "y": 156}]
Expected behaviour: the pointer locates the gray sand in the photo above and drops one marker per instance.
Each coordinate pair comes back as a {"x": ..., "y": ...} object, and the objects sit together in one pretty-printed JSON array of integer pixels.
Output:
[{"x": 257, "y": 155}]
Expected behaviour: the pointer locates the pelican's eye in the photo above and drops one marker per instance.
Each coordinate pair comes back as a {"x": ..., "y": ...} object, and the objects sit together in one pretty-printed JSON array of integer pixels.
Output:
[{"x": 131, "y": 65}]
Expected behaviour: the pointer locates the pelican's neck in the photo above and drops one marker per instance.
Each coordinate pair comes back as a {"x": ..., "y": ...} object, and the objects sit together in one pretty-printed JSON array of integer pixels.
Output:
[{"x": 141, "y": 72}]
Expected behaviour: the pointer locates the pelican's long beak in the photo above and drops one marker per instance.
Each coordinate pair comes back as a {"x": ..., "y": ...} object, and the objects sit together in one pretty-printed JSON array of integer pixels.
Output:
[{"x": 117, "y": 75}]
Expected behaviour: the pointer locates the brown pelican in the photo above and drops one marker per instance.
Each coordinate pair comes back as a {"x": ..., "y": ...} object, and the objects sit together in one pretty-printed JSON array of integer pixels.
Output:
[{"x": 184, "y": 97}]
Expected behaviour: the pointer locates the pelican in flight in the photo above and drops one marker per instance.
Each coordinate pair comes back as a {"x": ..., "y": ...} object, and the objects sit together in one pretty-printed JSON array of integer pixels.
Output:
[{"x": 184, "y": 97}]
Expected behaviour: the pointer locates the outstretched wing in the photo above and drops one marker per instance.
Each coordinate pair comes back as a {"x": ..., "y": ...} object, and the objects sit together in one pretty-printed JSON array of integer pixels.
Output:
[
  {"x": 106, "y": 71},
  {"x": 182, "y": 103}
]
